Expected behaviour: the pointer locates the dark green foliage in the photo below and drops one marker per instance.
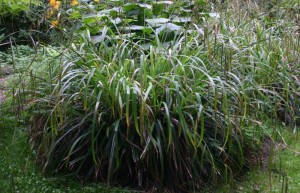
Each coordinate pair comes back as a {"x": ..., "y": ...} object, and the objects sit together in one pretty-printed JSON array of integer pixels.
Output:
[
  {"x": 138, "y": 121},
  {"x": 22, "y": 22},
  {"x": 139, "y": 21},
  {"x": 138, "y": 104},
  {"x": 18, "y": 169}
]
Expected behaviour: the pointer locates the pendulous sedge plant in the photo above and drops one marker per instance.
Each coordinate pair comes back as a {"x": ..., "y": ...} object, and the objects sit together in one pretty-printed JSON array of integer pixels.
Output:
[
  {"x": 176, "y": 115},
  {"x": 127, "y": 116}
]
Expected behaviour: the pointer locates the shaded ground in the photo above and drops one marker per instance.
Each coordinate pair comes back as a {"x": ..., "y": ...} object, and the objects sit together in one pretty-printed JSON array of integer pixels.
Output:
[
  {"x": 2, "y": 88},
  {"x": 280, "y": 171},
  {"x": 262, "y": 156},
  {"x": 274, "y": 167}
]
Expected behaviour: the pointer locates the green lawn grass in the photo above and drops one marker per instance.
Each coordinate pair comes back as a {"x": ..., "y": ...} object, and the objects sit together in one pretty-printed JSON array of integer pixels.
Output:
[{"x": 282, "y": 174}]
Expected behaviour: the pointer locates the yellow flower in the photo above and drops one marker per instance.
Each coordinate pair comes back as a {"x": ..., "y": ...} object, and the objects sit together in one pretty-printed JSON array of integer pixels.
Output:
[
  {"x": 54, "y": 23},
  {"x": 74, "y": 2},
  {"x": 96, "y": 1},
  {"x": 50, "y": 13},
  {"x": 52, "y": 3},
  {"x": 57, "y": 4}
]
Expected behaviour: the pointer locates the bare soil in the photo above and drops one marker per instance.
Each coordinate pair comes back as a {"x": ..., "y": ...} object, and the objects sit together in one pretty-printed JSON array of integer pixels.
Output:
[
  {"x": 2, "y": 89},
  {"x": 262, "y": 155}
]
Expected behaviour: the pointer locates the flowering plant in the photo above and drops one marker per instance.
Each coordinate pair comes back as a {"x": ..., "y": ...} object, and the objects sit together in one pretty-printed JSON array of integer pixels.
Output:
[{"x": 55, "y": 6}]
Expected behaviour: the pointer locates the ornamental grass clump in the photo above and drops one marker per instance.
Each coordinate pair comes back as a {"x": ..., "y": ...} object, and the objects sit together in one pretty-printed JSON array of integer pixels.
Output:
[
  {"x": 141, "y": 118},
  {"x": 177, "y": 112}
]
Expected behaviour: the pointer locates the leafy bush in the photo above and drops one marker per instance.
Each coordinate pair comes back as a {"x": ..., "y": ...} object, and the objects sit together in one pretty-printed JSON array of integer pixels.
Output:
[
  {"x": 12, "y": 7},
  {"x": 139, "y": 21},
  {"x": 22, "y": 22}
]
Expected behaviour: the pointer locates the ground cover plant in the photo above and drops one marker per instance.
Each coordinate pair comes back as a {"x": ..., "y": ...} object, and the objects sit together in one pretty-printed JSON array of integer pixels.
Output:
[{"x": 163, "y": 97}]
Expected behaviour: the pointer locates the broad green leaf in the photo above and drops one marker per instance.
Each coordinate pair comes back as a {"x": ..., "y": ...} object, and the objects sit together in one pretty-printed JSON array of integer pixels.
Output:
[
  {"x": 158, "y": 9},
  {"x": 165, "y": 2},
  {"x": 182, "y": 19},
  {"x": 75, "y": 15},
  {"x": 157, "y": 21},
  {"x": 168, "y": 26}
]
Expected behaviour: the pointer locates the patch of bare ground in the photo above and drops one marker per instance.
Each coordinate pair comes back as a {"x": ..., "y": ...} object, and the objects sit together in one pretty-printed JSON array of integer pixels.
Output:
[
  {"x": 262, "y": 156},
  {"x": 2, "y": 88}
]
